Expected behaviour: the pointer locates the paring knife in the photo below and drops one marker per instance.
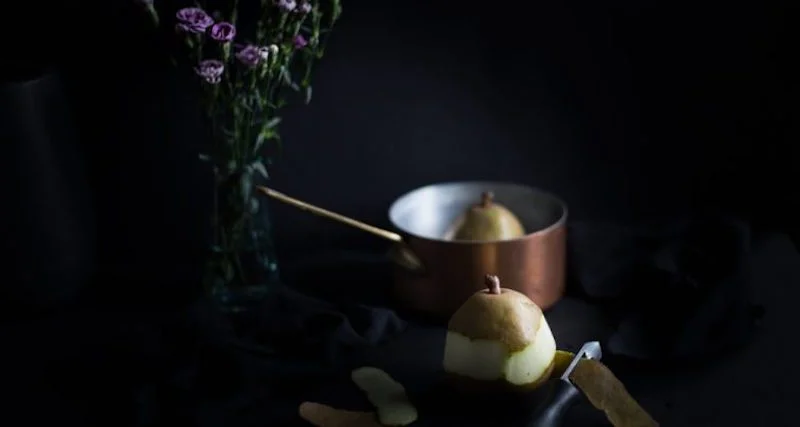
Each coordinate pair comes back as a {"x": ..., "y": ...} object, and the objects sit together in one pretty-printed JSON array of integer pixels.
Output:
[{"x": 560, "y": 394}]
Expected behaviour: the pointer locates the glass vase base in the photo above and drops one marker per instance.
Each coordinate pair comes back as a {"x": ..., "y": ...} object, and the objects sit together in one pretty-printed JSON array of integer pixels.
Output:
[{"x": 243, "y": 299}]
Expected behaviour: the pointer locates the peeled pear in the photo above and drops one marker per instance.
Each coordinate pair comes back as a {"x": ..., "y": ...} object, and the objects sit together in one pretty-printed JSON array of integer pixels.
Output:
[
  {"x": 485, "y": 221},
  {"x": 499, "y": 337}
]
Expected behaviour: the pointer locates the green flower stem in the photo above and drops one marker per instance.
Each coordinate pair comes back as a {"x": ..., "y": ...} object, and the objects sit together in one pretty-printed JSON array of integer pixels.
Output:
[
  {"x": 243, "y": 111},
  {"x": 235, "y": 12}
]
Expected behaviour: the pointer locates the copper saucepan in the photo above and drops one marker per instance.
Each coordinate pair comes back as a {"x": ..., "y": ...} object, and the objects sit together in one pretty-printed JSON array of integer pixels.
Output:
[{"x": 435, "y": 275}]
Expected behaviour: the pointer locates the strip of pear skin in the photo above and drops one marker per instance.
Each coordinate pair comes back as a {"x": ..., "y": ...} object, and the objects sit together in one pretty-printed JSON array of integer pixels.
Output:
[
  {"x": 607, "y": 393},
  {"x": 326, "y": 416},
  {"x": 386, "y": 395}
]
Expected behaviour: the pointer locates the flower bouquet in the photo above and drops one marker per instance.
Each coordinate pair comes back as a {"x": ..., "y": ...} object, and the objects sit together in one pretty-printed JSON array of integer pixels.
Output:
[{"x": 246, "y": 71}]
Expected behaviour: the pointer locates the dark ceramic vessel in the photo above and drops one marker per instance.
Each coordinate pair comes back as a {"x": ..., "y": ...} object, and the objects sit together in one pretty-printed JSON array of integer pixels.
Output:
[{"x": 46, "y": 225}]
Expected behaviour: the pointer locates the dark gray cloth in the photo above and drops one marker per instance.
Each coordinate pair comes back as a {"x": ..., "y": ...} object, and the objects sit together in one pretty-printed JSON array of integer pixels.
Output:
[
  {"x": 678, "y": 289},
  {"x": 99, "y": 363},
  {"x": 322, "y": 332},
  {"x": 104, "y": 362}
]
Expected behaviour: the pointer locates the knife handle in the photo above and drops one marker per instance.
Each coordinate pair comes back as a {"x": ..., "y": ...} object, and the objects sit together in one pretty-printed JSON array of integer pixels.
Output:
[{"x": 559, "y": 397}]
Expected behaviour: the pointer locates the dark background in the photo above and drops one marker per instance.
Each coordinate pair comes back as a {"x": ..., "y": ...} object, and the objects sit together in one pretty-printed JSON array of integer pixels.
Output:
[{"x": 628, "y": 110}]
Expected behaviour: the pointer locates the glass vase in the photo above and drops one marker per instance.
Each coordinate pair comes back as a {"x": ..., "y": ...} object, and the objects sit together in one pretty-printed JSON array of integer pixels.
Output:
[{"x": 242, "y": 269}]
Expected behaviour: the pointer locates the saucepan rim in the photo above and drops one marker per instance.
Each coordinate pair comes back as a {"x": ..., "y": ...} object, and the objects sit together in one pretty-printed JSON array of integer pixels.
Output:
[{"x": 557, "y": 201}]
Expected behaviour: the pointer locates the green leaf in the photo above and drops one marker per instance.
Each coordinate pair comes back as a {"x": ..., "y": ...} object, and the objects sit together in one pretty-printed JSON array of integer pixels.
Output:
[
  {"x": 254, "y": 205},
  {"x": 272, "y": 123},
  {"x": 309, "y": 92},
  {"x": 260, "y": 140},
  {"x": 266, "y": 133},
  {"x": 204, "y": 157},
  {"x": 287, "y": 79},
  {"x": 258, "y": 165},
  {"x": 285, "y": 76}
]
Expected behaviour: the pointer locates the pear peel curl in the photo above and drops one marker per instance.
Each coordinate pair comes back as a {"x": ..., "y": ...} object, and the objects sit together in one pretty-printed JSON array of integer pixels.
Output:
[
  {"x": 327, "y": 416},
  {"x": 386, "y": 395}
]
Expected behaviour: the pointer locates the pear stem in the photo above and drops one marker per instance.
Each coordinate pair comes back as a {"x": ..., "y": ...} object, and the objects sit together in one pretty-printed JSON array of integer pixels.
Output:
[
  {"x": 486, "y": 199},
  {"x": 493, "y": 284}
]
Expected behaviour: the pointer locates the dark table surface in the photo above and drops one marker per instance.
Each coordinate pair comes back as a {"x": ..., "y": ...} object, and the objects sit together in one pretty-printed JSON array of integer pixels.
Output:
[
  {"x": 74, "y": 368},
  {"x": 754, "y": 386}
]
